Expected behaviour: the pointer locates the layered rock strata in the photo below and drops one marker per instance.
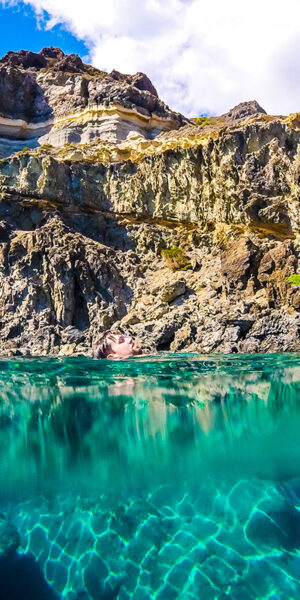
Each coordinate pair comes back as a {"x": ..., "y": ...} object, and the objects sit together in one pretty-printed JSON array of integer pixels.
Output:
[
  {"x": 88, "y": 231},
  {"x": 53, "y": 98}
]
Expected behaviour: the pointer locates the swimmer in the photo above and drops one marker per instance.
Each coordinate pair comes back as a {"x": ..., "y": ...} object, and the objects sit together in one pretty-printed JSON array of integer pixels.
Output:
[{"x": 116, "y": 346}]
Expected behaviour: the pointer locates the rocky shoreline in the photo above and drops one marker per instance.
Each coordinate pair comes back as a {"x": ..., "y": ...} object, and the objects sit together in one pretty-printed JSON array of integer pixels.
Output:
[{"x": 187, "y": 240}]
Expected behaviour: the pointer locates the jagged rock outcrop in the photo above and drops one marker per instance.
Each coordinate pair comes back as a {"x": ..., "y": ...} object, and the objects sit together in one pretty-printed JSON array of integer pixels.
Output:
[
  {"x": 49, "y": 97},
  {"x": 248, "y": 174},
  {"x": 82, "y": 227},
  {"x": 243, "y": 111}
]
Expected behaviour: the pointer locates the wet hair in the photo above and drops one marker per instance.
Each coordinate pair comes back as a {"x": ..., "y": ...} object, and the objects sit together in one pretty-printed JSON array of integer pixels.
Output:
[{"x": 102, "y": 347}]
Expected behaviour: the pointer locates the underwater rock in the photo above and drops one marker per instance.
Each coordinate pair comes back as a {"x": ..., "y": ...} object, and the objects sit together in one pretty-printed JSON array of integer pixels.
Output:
[
  {"x": 22, "y": 578},
  {"x": 95, "y": 578},
  {"x": 275, "y": 524},
  {"x": 9, "y": 537}
]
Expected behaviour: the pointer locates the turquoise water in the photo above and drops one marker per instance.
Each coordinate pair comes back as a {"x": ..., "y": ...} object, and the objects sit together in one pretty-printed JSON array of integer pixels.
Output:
[{"x": 154, "y": 478}]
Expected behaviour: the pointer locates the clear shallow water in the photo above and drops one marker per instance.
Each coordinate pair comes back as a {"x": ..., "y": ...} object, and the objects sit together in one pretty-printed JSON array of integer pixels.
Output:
[{"x": 170, "y": 477}]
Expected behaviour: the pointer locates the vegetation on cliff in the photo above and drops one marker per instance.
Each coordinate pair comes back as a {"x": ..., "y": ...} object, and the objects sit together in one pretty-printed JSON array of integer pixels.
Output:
[
  {"x": 189, "y": 240},
  {"x": 294, "y": 279}
]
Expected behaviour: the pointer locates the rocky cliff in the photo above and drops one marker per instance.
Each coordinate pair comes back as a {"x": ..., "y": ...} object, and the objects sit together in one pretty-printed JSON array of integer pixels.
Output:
[
  {"x": 53, "y": 98},
  {"x": 125, "y": 214}
]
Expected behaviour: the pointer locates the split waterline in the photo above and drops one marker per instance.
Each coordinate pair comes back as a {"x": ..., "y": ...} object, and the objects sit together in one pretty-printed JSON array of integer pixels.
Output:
[{"x": 175, "y": 476}]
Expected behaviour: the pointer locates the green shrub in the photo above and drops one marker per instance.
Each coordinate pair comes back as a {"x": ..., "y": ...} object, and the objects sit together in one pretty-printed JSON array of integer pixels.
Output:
[
  {"x": 202, "y": 121},
  {"x": 294, "y": 279},
  {"x": 45, "y": 147},
  {"x": 24, "y": 150},
  {"x": 172, "y": 252},
  {"x": 175, "y": 258}
]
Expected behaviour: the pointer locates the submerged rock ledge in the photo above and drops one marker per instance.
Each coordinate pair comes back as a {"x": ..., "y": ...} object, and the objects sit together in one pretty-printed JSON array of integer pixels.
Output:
[{"x": 89, "y": 232}]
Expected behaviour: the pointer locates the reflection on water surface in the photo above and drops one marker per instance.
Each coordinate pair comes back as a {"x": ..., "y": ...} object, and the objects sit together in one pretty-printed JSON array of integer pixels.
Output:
[{"x": 156, "y": 477}]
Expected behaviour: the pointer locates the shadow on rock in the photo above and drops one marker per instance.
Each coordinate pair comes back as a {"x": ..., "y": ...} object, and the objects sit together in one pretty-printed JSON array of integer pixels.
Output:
[{"x": 22, "y": 579}]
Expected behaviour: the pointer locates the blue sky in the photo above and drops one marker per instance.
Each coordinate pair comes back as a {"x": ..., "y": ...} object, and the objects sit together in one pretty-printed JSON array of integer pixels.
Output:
[
  {"x": 203, "y": 57},
  {"x": 20, "y": 31}
]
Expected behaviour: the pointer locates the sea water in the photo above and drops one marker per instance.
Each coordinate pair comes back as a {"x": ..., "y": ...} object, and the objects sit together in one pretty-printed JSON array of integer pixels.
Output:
[{"x": 164, "y": 477}]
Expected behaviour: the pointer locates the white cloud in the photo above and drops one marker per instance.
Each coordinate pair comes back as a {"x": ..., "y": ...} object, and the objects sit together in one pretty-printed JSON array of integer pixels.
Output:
[{"x": 203, "y": 57}]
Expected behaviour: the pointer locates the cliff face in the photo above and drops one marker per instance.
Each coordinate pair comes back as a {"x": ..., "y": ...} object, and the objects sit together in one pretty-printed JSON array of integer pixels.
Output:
[
  {"x": 185, "y": 240},
  {"x": 53, "y": 98},
  {"x": 245, "y": 174}
]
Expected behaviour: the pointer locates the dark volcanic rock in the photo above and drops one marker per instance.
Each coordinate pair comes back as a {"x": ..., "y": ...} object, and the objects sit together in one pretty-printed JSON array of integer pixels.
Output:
[
  {"x": 83, "y": 225},
  {"x": 52, "y": 52},
  {"x": 236, "y": 263},
  {"x": 24, "y": 59},
  {"x": 142, "y": 82},
  {"x": 139, "y": 80},
  {"x": 50, "y": 70},
  {"x": 72, "y": 335},
  {"x": 21, "y": 97},
  {"x": 71, "y": 64},
  {"x": 244, "y": 110}
]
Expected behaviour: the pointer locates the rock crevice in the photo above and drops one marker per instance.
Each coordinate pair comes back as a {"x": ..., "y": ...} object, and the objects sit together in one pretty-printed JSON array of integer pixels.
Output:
[{"x": 90, "y": 232}]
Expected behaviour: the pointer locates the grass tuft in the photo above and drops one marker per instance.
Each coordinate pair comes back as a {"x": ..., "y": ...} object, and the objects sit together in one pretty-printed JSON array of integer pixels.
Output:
[{"x": 294, "y": 279}]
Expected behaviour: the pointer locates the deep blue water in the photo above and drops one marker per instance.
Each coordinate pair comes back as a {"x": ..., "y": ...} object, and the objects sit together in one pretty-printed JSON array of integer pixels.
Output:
[{"x": 154, "y": 478}]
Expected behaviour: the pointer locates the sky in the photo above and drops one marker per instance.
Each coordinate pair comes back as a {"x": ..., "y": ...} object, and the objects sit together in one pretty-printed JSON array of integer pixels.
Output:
[{"x": 203, "y": 57}]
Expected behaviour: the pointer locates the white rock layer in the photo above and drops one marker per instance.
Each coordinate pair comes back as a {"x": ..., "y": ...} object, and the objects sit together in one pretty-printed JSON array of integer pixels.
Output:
[{"x": 110, "y": 123}]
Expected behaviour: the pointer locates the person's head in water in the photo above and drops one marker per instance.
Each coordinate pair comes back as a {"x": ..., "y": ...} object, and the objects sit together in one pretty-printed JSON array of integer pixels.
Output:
[{"x": 112, "y": 345}]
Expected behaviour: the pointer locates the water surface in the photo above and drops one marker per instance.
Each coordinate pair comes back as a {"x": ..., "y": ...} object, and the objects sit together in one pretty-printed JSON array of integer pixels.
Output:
[{"x": 165, "y": 477}]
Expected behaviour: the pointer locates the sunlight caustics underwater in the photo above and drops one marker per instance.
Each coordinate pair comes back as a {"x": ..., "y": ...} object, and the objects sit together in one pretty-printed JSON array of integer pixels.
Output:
[{"x": 153, "y": 478}]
